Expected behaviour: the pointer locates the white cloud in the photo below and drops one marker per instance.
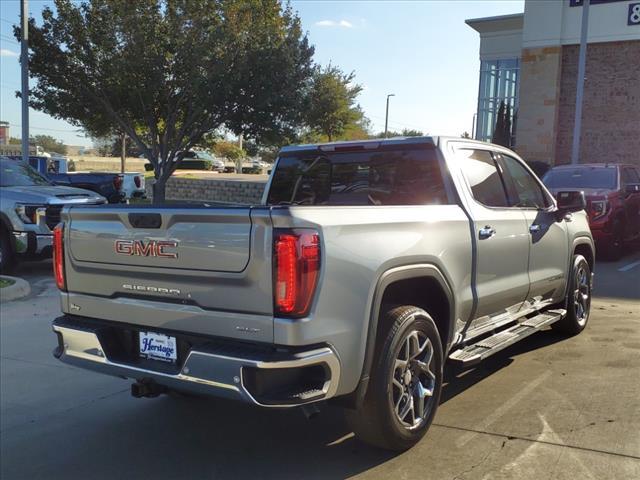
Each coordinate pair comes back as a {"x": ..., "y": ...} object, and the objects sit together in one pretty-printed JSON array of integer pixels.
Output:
[
  {"x": 4, "y": 52},
  {"x": 334, "y": 23}
]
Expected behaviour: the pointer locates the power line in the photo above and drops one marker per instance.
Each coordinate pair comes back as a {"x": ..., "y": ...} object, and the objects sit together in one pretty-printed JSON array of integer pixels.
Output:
[{"x": 47, "y": 129}]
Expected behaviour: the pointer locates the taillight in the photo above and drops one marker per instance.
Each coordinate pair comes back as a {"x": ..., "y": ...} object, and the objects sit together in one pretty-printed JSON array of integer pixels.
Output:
[
  {"x": 117, "y": 182},
  {"x": 58, "y": 256},
  {"x": 136, "y": 180},
  {"x": 296, "y": 267}
]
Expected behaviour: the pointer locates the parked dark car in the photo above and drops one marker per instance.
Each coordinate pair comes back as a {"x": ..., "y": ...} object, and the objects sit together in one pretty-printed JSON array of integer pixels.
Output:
[
  {"x": 196, "y": 160},
  {"x": 107, "y": 184},
  {"x": 613, "y": 200}
]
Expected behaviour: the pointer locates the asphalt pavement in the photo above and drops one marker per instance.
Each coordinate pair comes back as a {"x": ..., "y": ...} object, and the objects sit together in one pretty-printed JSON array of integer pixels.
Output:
[{"x": 546, "y": 408}]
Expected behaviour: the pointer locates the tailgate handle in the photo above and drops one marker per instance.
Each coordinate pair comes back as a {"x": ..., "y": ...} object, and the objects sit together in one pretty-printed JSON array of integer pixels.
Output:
[{"x": 145, "y": 220}]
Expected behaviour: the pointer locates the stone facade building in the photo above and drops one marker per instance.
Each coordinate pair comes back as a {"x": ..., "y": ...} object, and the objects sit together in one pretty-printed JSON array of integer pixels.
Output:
[{"x": 530, "y": 62}]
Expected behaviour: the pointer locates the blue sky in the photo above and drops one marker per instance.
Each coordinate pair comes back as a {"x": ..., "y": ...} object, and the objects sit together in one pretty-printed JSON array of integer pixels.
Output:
[{"x": 421, "y": 51}]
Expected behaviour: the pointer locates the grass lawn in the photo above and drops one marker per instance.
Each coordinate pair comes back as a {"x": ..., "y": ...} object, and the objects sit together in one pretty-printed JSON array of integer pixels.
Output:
[{"x": 5, "y": 282}]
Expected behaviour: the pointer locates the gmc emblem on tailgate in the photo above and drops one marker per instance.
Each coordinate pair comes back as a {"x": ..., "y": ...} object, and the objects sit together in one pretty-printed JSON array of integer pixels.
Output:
[{"x": 151, "y": 248}]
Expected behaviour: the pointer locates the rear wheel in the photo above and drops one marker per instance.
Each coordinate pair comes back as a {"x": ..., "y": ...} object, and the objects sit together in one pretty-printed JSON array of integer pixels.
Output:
[
  {"x": 405, "y": 385},
  {"x": 578, "y": 298}
]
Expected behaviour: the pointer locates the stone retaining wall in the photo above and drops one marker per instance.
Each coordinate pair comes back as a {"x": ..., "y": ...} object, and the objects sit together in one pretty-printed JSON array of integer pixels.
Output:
[{"x": 199, "y": 190}]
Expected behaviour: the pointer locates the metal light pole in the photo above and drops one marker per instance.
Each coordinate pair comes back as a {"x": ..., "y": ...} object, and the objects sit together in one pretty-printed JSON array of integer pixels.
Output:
[
  {"x": 386, "y": 117},
  {"x": 582, "y": 63},
  {"x": 24, "y": 64}
]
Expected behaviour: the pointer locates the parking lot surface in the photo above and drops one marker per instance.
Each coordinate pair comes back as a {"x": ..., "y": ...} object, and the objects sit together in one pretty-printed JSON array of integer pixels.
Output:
[{"x": 546, "y": 408}]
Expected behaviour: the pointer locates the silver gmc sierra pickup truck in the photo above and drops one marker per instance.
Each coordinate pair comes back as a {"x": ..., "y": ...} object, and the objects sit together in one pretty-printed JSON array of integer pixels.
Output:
[{"x": 367, "y": 269}]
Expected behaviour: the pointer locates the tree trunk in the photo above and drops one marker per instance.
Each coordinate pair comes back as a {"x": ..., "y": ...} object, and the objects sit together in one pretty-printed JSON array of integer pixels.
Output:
[
  {"x": 159, "y": 191},
  {"x": 123, "y": 152}
]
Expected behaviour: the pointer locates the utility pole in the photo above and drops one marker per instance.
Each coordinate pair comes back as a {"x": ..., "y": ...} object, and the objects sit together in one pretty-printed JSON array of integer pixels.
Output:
[
  {"x": 123, "y": 151},
  {"x": 582, "y": 63},
  {"x": 24, "y": 64},
  {"x": 386, "y": 117}
]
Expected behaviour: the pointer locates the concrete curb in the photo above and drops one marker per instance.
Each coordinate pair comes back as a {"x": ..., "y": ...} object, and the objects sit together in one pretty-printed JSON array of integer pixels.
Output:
[{"x": 19, "y": 289}]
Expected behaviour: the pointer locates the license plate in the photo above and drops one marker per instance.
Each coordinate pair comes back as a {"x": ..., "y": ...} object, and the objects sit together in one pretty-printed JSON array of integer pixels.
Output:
[{"x": 157, "y": 346}]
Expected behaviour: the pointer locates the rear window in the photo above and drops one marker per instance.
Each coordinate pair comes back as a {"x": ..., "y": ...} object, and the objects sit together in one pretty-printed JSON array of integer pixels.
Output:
[
  {"x": 380, "y": 177},
  {"x": 582, "y": 177}
]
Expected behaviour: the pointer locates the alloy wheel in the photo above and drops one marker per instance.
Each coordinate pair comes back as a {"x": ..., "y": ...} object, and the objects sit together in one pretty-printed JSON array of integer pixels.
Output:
[
  {"x": 582, "y": 295},
  {"x": 413, "y": 380}
]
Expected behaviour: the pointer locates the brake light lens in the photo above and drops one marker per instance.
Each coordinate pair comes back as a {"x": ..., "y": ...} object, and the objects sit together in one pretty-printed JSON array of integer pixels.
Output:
[
  {"x": 58, "y": 256},
  {"x": 137, "y": 181},
  {"x": 296, "y": 268},
  {"x": 117, "y": 182}
]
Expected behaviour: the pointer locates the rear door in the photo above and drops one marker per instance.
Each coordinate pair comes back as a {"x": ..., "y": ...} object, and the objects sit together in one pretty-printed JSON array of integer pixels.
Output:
[
  {"x": 547, "y": 236},
  {"x": 501, "y": 235}
]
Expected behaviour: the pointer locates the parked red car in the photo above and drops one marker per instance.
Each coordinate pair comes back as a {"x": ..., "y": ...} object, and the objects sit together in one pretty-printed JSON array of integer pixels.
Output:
[{"x": 612, "y": 192}]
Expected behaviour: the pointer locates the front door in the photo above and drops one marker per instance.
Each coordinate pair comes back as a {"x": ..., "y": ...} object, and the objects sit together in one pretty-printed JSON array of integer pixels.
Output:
[
  {"x": 631, "y": 179},
  {"x": 502, "y": 239},
  {"x": 547, "y": 235}
]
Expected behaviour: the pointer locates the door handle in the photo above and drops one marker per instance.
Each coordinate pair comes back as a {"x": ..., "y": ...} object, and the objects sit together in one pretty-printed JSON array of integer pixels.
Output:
[
  {"x": 486, "y": 232},
  {"x": 535, "y": 228}
]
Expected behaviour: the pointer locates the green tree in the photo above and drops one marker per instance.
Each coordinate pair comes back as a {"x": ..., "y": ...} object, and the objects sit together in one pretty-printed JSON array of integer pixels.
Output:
[
  {"x": 48, "y": 144},
  {"x": 15, "y": 141},
  {"x": 407, "y": 132},
  {"x": 103, "y": 145},
  {"x": 332, "y": 108},
  {"x": 166, "y": 72},
  {"x": 231, "y": 151},
  {"x": 498, "y": 136},
  {"x": 507, "y": 126}
]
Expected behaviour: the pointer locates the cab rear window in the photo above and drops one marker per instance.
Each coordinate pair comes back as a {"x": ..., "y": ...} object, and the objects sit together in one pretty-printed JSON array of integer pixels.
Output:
[{"x": 380, "y": 177}]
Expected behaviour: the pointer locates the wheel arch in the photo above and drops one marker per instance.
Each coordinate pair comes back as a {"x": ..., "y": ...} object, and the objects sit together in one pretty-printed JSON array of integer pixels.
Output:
[
  {"x": 401, "y": 285},
  {"x": 584, "y": 246}
]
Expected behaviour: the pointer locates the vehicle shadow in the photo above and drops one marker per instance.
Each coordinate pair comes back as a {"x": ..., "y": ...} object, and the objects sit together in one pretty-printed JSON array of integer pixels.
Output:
[
  {"x": 457, "y": 380},
  {"x": 207, "y": 438}
]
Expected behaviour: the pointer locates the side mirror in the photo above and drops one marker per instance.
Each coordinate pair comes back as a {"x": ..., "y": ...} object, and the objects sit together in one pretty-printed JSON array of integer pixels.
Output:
[
  {"x": 632, "y": 188},
  {"x": 571, "y": 201}
]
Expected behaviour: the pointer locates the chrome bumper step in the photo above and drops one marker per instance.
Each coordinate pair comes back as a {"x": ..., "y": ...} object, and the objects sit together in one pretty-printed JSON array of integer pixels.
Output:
[{"x": 476, "y": 352}]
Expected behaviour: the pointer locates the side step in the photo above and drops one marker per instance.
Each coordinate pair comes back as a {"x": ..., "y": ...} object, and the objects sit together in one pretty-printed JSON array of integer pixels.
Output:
[{"x": 474, "y": 353}]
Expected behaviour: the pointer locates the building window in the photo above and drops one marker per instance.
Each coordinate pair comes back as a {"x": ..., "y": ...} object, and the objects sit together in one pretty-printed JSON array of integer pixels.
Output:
[{"x": 498, "y": 83}]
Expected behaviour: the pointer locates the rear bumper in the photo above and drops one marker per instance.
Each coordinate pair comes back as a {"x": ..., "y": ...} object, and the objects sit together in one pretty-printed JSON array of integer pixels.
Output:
[{"x": 241, "y": 373}]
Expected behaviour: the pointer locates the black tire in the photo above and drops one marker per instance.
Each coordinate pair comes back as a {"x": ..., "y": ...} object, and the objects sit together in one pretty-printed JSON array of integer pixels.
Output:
[
  {"x": 578, "y": 308},
  {"x": 7, "y": 256},
  {"x": 376, "y": 421}
]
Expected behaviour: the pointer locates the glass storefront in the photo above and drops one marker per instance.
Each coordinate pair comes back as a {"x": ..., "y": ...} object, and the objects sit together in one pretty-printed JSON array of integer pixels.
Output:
[{"x": 498, "y": 83}]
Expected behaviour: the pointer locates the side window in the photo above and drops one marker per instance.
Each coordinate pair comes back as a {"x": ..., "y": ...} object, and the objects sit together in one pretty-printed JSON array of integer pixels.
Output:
[
  {"x": 481, "y": 171},
  {"x": 630, "y": 176},
  {"x": 523, "y": 188}
]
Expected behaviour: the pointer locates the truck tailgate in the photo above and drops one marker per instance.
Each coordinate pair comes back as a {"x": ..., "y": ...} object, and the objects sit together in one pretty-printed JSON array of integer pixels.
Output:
[{"x": 199, "y": 269}]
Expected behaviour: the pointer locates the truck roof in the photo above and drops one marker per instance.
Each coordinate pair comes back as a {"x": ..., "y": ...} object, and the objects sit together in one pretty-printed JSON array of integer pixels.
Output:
[{"x": 376, "y": 142}]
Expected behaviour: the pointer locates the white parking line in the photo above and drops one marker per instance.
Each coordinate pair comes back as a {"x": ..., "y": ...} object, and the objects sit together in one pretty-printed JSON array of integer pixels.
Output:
[{"x": 628, "y": 267}]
